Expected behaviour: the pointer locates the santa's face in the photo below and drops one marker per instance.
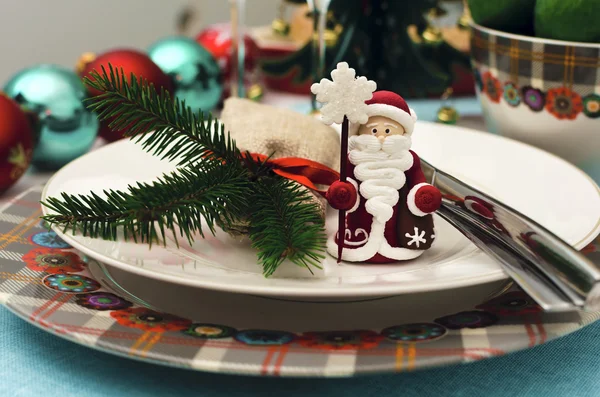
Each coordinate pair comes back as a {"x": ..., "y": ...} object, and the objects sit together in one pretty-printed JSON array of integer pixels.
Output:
[{"x": 381, "y": 127}]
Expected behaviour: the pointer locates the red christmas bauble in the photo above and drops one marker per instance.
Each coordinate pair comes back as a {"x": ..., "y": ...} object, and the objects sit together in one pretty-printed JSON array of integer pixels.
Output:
[
  {"x": 131, "y": 61},
  {"x": 16, "y": 142},
  {"x": 218, "y": 41}
]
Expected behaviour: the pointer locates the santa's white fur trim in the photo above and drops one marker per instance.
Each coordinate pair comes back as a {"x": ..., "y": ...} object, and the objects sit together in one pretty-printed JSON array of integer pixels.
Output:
[
  {"x": 352, "y": 181},
  {"x": 363, "y": 253},
  {"x": 398, "y": 253},
  {"x": 410, "y": 200},
  {"x": 407, "y": 120},
  {"x": 392, "y": 112}
]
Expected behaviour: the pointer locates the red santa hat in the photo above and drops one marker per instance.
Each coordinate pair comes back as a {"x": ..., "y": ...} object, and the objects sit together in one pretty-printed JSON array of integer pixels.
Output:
[{"x": 391, "y": 105}]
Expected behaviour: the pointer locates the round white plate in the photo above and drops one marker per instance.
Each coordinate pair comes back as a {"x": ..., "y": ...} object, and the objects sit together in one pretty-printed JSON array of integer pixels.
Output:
[{"x": 548, "y": 189}]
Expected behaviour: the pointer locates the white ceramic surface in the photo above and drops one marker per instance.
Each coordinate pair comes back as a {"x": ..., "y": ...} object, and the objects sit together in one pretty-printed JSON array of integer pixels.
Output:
[{"x": 519, "y": 175}]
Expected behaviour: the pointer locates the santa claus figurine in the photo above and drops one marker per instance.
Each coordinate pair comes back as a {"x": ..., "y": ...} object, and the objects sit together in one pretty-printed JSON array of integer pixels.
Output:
[{"x": 387, "y": 200}]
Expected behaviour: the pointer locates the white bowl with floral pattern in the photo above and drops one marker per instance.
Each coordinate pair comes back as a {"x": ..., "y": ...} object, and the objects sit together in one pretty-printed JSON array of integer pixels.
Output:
[{"x": 542, "y": 92}]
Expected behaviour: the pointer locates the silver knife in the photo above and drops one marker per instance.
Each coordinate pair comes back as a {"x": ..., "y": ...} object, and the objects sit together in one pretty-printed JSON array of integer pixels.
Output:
[{"x": 548, "y": 269}]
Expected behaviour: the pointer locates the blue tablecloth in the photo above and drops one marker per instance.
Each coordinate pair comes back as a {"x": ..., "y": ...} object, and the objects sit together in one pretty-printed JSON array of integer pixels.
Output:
[{"x": 35, "y": 363}]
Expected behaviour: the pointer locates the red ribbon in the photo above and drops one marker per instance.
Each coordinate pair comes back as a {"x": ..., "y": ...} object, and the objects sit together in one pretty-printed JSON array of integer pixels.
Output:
[{"x": 306, "y": 172}]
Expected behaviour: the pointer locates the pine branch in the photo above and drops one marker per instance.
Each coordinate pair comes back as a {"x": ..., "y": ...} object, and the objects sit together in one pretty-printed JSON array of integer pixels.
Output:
[
  {"x": 217, "y": 186},
  {"x": 284, "y": 224},
  {"x": 165, "y": 127},
  {"x": 177, "y": 201}
]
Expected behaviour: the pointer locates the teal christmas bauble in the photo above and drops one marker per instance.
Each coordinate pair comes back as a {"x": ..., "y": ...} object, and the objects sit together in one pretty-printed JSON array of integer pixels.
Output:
[
  {"x": 53, "y": 95},
  {"x": 193, "y": 70}
]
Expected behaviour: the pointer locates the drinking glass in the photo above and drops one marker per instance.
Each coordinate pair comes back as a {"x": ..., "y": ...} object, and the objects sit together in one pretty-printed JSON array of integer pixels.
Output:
[
  {"x": 319, "y": 9},
  {"x": 238, "y": 28}
]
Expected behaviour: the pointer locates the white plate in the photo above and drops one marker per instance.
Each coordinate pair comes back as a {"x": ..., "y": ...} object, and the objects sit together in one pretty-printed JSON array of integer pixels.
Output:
[{"x": 549, "y": 190}]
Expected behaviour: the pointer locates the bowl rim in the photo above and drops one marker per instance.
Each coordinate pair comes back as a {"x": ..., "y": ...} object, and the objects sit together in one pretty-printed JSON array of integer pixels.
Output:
[{"x": 532, "y": 38}]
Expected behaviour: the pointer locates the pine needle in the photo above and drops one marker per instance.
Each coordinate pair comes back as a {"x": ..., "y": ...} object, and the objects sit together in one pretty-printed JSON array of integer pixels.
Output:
[
  {"x": 215, "y": 186},
  {"x": 285, "y": 224},
  {"x": 164, "y": 126}
]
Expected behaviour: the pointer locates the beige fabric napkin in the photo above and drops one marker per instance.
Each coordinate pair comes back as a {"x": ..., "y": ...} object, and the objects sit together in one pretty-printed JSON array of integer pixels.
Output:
[{"x": 280, "y": 132}]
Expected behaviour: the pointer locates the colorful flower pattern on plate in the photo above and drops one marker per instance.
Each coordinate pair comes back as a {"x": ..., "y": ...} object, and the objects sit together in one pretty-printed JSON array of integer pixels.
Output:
[
  {"x": 71, "y": 283},
  {"x": 264, "y": 337},
  {"x": 149, "y": 320},
  {"x": 417, "y": 332},
  {"x": 102, "y": 301},
  {"x": 210, "y": 331},
  {"x": 48, "y": 239},
  {"x": 341, "y": 340},
  {"x": 468, "y": 319},
  {"x": 514, "y": 303},
  {"x": 51, "y": 260}
]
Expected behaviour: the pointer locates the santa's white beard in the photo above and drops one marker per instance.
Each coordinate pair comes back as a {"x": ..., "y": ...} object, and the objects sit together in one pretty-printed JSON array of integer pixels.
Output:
[{"x": 380, "y": 167}]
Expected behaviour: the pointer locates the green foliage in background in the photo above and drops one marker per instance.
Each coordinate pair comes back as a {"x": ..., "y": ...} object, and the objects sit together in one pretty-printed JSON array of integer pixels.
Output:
[{"x": 375, "y": 41}]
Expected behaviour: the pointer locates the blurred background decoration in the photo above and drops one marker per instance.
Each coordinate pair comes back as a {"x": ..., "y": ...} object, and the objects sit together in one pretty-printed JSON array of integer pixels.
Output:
[
  {"x": 194, "y": 72},
  {"x": 422, "y": 49},
  {"x": 63, "y": 127},
  {"x": 217, "y": 40},
  {"x": 130, "y": 61},
  {"x": 16, "y": 142},
  {"x": 407, "y": 47}
]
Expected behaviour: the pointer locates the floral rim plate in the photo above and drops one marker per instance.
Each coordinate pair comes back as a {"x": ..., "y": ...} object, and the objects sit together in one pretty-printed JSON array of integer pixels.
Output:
[
  {"x": 47, "y": 283},
  {"x": 513, "y": 172}
]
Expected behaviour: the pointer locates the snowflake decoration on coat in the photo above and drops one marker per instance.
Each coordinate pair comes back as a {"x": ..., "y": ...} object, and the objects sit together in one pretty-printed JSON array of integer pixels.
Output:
[
  {"x": 344, "y": 96},
  {"x": 416, "y": 238}
]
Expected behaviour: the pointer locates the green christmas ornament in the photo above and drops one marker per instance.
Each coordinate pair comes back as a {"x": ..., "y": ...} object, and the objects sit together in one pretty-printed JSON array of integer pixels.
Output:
[
  {"x": 573, "y": 20},
  {"x": 511, "y": 16},
  {"x": 194, "y": 71},
  {"x": 52, "y": 96}
]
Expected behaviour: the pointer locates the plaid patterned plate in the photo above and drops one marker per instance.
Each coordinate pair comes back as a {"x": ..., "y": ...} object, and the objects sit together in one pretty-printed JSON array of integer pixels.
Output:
[{"x": 47, "y": 283}]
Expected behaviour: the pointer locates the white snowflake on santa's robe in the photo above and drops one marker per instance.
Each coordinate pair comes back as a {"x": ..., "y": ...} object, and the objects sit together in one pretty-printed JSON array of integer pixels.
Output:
[
  {"x": 344, "y": 96},
  {"x": 417, "y": 238}
]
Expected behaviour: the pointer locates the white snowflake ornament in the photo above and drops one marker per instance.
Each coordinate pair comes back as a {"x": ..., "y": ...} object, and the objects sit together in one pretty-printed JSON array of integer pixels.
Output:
[{"x": 344, "y": 96}]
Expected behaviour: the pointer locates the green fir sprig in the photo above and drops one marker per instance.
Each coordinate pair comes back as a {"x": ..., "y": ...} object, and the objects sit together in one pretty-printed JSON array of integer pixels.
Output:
[
  {"x": 177, "y": 201},
  {"x": 285, "y": 224},
  {"x": 165, "y": 126},
  {"x": 215, "y": 185}
]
